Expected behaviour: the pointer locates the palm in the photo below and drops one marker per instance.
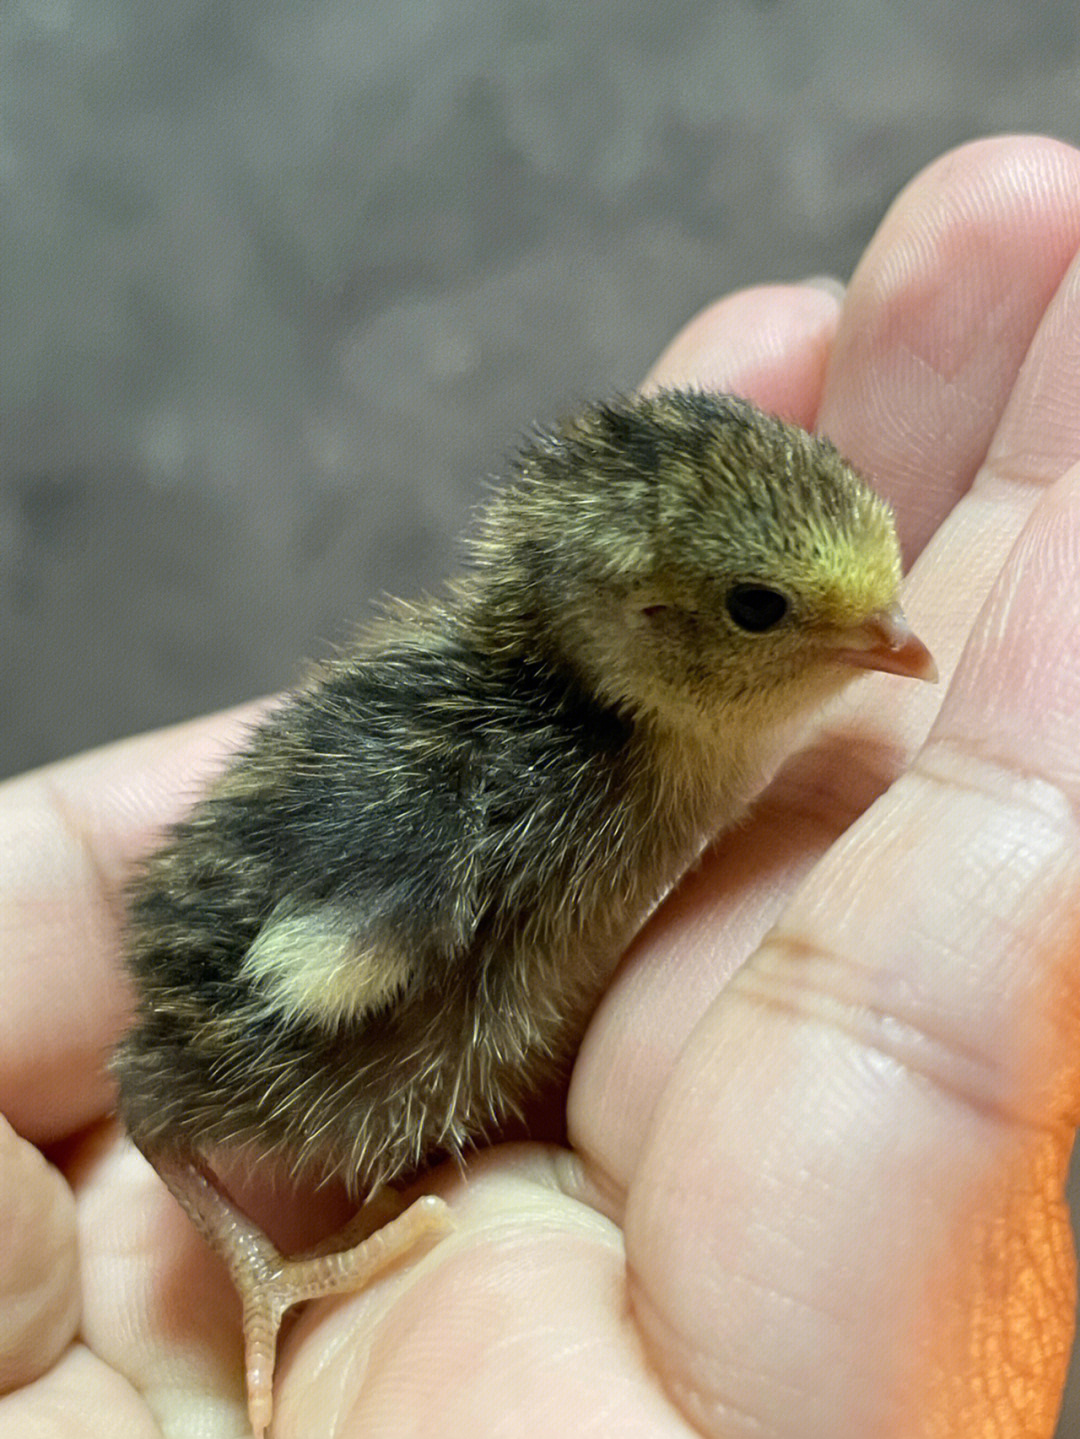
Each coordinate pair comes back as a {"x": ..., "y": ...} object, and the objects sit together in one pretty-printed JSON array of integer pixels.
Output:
[{"x": 840, "y": 1184}]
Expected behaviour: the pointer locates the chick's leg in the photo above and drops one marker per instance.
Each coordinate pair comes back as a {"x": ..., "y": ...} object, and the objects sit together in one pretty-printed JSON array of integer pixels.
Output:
[{"x": 269, "y": 1283}]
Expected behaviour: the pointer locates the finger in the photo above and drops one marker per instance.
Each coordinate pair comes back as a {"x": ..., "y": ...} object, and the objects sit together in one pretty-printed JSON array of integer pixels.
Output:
[
  {"x": 78, "y": 1398},
  {"x": 701, "y": 936},
  {"x": 39, "y": 1274},
  {"x": 515, "y": 1323},
  {"x": 939, "y": 317},
  {"x": 70, "y": 834},
  {"x": 770, "y": 344},
  {"x": 986, "y": 412},
  {"x": 863, "y": 1148}
]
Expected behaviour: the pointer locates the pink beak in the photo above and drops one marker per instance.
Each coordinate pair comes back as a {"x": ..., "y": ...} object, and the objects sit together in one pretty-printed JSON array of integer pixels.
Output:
[{"x": 887, "y": 642}]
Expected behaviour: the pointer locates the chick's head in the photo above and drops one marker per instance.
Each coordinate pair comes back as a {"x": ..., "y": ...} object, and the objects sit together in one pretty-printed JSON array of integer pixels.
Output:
[{"x": 691, "y": 556}]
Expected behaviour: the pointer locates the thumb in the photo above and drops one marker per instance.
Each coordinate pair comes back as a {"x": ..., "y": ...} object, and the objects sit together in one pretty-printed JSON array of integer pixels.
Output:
[{"x": 850, "y": 1217}]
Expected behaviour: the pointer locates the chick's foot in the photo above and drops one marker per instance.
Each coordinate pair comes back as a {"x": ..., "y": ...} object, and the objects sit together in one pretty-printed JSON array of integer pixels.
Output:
[{"x": 269, "y": 1283}]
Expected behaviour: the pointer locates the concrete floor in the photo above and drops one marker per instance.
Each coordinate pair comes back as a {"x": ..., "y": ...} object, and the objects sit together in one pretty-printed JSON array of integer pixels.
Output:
[{"x": 280, "y": 282}]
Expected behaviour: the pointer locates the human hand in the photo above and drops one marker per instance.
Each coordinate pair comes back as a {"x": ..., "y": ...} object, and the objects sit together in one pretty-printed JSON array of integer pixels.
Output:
[{"x": 816, "y": 1191}]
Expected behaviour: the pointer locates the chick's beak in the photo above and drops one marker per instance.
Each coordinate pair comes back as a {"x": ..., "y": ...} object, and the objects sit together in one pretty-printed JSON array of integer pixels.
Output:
[{"x": 885, "y": 641}]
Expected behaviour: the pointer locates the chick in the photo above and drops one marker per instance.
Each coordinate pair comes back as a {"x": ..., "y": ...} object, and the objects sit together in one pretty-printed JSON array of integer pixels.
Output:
[{"x": 389, "y": 922}]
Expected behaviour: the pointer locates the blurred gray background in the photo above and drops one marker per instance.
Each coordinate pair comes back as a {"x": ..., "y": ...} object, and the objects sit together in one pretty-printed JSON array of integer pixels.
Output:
[{"x": 282, "y": 281}]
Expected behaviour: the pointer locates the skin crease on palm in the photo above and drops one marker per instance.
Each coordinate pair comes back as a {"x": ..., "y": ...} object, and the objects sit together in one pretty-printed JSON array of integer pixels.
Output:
[{"x": 821, "y": 1123}]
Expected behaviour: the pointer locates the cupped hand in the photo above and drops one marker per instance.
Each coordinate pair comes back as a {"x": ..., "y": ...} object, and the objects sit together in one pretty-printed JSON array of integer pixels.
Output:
[{"x": 820, "y": 1126}]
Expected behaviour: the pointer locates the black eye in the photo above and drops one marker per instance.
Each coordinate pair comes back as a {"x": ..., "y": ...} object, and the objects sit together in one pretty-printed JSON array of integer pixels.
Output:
[{"x": 755, "y": 608}]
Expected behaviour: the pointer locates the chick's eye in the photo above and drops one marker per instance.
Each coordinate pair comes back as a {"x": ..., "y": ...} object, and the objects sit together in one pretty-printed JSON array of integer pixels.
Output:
[{"x": 755, "y": 607}]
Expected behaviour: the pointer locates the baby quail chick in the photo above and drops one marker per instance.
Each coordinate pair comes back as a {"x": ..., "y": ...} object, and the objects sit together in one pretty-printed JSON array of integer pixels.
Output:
[{"x": 392, "y": 917}]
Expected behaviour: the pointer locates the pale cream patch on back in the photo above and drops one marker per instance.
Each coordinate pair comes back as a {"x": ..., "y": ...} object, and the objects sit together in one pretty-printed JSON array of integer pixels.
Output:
[{"x": 313, "y": 966}]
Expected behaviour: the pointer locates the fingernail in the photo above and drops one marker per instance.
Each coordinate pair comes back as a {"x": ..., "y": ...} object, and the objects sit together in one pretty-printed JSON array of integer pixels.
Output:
[{"x": 829, "y": 283}]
